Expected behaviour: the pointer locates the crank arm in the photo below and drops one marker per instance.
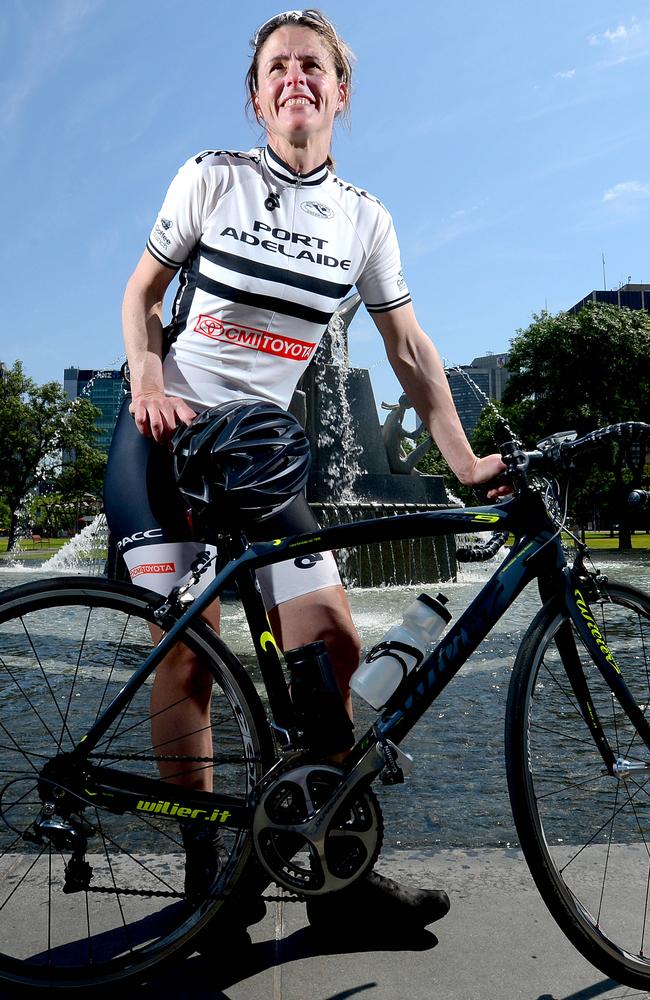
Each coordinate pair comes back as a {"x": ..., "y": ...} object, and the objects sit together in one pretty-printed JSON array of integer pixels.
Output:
[{"x": 372, "y": 762}]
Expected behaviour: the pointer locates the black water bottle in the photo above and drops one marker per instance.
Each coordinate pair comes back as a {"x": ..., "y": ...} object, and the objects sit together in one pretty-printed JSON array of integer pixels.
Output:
[{"x": 319, "y": 707}]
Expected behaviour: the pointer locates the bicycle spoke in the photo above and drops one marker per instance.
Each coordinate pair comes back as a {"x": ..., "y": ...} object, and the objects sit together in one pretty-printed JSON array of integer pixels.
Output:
[
  {"x": 101, "y": 890},
  {"x": 74, "y": 681},
  {"x": 113, "y": 667},
  {"x": 563, "y": 735},
  {"x": 29, "y": 701},
  {"x": 585, "y": 832},
  {"x": 46, "y": 679},
  {"x": 568, "y": 784}
]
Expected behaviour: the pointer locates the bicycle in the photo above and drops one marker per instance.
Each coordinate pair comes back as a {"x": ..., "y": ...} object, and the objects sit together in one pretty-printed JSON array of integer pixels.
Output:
[{"x": 91, "y": 862}]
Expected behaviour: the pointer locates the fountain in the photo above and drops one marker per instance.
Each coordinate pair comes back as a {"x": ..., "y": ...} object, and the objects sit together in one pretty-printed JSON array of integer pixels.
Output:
[
  {"x": 85, "y": 551},
  {"x": 356, "y": 471}
]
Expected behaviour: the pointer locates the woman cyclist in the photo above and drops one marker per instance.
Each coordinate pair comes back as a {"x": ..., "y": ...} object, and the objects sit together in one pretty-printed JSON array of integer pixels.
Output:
[{"x": 267, "y": 244}]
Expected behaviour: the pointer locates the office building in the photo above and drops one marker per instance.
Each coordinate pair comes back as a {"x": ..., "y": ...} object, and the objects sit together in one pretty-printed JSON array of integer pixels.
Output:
[
  {"x": 627, "y": 296},
  {"x": 104, "y": 389},
  {"x": 471, "y": 384}
]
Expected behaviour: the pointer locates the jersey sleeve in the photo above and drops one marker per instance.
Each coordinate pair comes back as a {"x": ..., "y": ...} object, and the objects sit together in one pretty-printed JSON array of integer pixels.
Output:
[
  {"x": 382, "y": 285},
  {"x": 179, "y": 224}
]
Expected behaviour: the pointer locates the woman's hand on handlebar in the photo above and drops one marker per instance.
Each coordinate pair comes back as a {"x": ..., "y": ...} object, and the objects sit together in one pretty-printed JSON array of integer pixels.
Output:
[
  {"x": 485, "y": 470},
  {"x": 157, "y": 416}
]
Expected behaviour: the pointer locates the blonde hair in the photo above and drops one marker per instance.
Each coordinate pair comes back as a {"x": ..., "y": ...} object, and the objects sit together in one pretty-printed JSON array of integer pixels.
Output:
[{"x": 314, "y": 19}]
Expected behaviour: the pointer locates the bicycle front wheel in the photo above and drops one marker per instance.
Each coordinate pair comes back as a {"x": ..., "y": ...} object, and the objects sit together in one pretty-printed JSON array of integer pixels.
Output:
[
  {"x": 586, "y": 834},
  {"x": 120, "y": 906}
]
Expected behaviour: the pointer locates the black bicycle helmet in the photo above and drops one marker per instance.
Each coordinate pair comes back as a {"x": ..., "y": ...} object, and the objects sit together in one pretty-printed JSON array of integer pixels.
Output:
[{"x": 239, "y": 463}]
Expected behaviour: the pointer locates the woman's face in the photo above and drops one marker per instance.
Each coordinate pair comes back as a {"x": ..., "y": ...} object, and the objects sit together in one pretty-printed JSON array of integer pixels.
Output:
[{"x": 298, "y": 91}]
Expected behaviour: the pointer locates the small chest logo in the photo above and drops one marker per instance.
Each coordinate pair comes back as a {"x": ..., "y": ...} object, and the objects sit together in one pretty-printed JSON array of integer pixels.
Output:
[{"x": 318, "y": 209}]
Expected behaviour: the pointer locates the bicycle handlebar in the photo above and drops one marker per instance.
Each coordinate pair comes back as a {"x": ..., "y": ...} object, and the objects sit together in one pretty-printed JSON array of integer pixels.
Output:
[
  {"x": 557, "y": 452},
  {"x": 482, "y": 550}
]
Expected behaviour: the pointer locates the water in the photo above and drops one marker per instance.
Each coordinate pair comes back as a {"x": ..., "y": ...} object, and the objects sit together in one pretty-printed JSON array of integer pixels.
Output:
[
  {"x": 85, "y": 552},
  {"x": 336, "y": 425},
  {"x": 456, "y": 795},
  {"x": 481, "y": 396}
]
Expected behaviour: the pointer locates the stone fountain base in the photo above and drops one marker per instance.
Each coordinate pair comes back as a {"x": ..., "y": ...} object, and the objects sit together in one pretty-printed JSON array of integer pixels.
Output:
[{"x": 397, "y": 563}]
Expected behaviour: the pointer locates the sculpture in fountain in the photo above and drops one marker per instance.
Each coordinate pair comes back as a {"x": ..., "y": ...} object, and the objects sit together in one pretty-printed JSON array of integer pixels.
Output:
[
  {"x": 394, "y": 434},
  {"x": 355, "y": 476}
]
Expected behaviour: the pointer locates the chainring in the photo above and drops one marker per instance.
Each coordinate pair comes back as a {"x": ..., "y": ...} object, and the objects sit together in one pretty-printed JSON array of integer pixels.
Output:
[{"x": 299, "y": 847}]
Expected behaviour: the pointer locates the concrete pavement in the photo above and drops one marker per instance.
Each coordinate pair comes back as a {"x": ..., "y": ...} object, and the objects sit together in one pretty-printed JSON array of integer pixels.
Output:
[{"x": 497, "y": 943}]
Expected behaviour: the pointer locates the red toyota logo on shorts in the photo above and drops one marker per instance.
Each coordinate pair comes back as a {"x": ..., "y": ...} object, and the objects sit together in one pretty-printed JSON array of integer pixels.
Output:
[{"x": 150, "y": 568}]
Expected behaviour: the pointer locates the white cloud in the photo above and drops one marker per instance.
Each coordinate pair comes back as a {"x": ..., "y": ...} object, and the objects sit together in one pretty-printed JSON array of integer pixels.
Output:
[
  {"x": 623, "y": 42},
  {"x": 621, "y": 33},
  {"x": 627, "y": 191},
  {"x": 567, "y": 74}
]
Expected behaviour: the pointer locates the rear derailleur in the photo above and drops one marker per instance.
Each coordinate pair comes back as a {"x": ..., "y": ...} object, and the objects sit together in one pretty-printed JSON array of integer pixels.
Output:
[{"x": 64, "y": 834}]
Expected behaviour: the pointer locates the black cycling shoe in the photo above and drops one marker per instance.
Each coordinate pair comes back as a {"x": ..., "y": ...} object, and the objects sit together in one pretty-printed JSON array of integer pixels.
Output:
[
  {"x": 376, "y": 902},
  {"x": 205, "y": 856}
]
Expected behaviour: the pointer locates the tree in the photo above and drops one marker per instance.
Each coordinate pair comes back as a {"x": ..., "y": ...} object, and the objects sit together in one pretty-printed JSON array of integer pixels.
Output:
[
  {"x": 433, "y": 464},
  {"x": 36, "y": 424},
  {"x": 580, "y": 371}
]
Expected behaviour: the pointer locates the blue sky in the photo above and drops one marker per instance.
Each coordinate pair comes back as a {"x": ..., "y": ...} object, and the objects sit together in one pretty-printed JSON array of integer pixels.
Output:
[{"x": 509, "y": 140}]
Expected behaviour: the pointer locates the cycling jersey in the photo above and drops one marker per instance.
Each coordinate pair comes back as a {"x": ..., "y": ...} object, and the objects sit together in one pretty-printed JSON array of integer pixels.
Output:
[{"x": 266, "y": 257}]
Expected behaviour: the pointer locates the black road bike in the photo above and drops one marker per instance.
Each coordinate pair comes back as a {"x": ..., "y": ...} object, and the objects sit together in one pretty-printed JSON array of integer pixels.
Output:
[{"x": 91, "y": 856}]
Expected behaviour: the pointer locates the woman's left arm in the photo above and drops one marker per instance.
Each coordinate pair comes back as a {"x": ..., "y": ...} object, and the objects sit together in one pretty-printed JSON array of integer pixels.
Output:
[{"x": 418, "y": 367}]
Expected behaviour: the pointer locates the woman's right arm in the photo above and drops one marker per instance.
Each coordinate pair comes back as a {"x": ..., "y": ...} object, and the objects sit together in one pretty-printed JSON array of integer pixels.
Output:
[{"x": 156, "y": 415}]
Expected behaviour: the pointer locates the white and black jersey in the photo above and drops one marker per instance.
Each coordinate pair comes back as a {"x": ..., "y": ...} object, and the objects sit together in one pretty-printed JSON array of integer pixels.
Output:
[{"x": 266, "y": 257}]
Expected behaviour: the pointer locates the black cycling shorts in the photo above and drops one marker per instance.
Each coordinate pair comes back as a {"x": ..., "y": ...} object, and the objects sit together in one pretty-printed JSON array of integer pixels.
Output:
[{"x": 150, "y": 529}]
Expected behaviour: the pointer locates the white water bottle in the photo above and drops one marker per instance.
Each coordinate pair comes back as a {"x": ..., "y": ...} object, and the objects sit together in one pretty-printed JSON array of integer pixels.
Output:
[{"x": 401, "y": 650}]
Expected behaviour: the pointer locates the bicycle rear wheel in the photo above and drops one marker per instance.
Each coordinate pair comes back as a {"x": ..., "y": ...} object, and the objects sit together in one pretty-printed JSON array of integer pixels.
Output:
[
  {"x": 586, "y": 834},
  {"x": 66, "y": 648}
]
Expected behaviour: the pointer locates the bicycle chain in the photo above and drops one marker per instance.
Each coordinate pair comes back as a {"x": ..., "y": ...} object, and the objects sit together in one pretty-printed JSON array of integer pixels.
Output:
[
  {"x": 171, "y": 758},
  {"x": 163, "y": 894},
  {"x": 116, "y": 891},
  {"x": 174, "y": 758}
]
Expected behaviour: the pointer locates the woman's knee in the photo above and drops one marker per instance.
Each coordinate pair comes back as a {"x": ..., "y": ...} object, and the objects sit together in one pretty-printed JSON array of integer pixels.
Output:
[{"x": 323, "y": 615}]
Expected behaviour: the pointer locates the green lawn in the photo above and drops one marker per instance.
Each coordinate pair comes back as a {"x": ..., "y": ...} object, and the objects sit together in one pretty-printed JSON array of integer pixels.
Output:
[
  {"x": 602, "y": 540},
  {"x": 28, "y": 549}
]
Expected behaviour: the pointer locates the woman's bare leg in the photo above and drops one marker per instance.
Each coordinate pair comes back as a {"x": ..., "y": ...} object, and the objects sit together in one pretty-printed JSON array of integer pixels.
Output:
[
  {"x": 323, "y": 614},
  {"x": 180, "y": 712}
]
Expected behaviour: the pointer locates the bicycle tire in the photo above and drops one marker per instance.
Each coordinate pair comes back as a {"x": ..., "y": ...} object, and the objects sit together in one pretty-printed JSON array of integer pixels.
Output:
[
  {"x": 585, "y": 834},
  {"x": 66, "y": 647}
]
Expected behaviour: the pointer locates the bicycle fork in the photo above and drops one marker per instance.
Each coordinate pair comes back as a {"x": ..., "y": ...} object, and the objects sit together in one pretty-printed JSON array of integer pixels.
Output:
[{"x": 576, "y": 600}]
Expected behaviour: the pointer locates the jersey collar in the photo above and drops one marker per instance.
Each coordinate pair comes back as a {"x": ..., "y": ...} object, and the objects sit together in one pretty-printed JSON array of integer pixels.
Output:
[{"x": 283, "y": 171}]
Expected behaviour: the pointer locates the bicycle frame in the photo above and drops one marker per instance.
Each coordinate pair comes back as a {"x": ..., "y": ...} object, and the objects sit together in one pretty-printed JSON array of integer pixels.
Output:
[
  {"x": 132, "y": 833},
  {"x": 240, "y": 568},
  {"x": 537, "y": 553}
]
